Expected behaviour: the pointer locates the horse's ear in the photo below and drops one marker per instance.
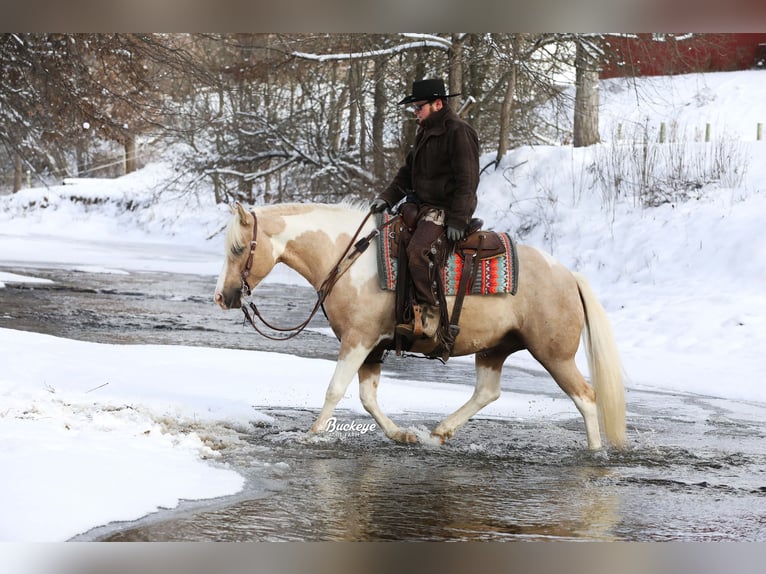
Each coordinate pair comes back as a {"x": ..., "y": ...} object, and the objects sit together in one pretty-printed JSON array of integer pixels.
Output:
[{"x": 243, "y": 217}]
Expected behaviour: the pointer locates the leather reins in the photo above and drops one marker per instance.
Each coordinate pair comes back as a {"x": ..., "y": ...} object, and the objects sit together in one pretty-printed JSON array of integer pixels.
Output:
[{"x": 348, "y": 257}]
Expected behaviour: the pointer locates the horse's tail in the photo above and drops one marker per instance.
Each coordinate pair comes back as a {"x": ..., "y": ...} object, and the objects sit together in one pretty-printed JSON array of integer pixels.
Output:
[{"x": 604, "y": 363}]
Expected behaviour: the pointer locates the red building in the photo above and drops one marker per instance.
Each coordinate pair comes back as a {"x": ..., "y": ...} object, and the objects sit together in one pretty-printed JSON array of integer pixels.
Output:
[{"x": 666, "y": 54}]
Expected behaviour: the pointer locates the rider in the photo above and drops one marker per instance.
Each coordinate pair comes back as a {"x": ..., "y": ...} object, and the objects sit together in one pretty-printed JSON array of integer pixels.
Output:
[{"x": 441, "y": 172}]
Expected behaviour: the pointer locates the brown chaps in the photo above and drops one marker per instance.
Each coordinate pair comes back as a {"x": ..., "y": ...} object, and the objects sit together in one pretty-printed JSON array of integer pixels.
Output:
[{"x": 426, "y": 253}]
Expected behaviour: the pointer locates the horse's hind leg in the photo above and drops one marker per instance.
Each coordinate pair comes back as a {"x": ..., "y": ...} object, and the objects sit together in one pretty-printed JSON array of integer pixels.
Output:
[
  {"x": 570, "y": 379},
  {"x": 369, "y": 376},
  {"x": 488, "y": 370}
]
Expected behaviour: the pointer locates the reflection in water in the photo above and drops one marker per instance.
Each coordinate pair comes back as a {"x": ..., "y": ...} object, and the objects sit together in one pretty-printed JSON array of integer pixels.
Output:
[
  {"x": 420, "y": 498},
  {"x": 366, "y": 489}
]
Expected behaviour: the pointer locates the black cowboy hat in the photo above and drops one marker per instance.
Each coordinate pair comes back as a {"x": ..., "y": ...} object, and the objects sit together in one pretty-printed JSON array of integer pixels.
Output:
[{"x": 427, "y": 90}]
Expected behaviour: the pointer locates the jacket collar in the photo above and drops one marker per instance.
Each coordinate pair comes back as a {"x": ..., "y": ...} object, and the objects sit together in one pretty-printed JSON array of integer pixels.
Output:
[{"x": 436, "y": 122}]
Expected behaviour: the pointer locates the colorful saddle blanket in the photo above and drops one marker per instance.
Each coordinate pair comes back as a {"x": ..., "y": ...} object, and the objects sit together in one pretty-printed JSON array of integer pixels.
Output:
[{"x": 498, "y": 274}]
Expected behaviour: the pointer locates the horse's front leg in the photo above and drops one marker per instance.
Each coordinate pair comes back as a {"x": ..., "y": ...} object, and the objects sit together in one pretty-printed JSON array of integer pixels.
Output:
[
  {"x": 369, "y": 377},
  {"x": 349, "y": 361}
]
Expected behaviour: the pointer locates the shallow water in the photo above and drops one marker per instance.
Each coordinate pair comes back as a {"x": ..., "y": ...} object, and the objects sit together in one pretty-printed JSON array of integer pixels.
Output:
[
  {"x": 497, "y": 480},
  {"x": 695, "y": 469}
]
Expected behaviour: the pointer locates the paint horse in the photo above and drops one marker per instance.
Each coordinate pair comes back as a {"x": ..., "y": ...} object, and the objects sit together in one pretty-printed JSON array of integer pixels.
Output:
[{"x": 551, "y": 311}]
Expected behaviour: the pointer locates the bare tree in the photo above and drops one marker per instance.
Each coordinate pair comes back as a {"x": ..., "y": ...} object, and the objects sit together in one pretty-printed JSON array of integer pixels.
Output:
[
  {"x": 587, "y": 58},
  {"x": 378, "y": 120},
  {"x": 506, "y": 109},
  {"x": 58, "y": 91},
  {"x": 456, "y": 62},
  {"x": 275, "y": 117}
]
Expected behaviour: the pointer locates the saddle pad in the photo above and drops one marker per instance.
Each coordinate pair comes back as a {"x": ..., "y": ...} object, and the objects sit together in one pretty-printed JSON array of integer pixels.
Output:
[{"x": 499, "y": 274}]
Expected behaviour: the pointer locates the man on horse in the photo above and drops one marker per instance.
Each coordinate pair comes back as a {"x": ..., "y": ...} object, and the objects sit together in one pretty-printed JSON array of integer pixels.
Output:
[{"x": 440, "y": 175}]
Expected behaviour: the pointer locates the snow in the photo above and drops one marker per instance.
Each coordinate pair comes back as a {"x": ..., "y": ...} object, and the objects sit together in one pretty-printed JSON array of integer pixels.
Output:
[{"x": 93, "y": 433}]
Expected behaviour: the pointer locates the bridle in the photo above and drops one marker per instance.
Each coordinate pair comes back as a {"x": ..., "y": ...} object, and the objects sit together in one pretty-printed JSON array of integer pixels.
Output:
[
  {"x": 348, "y": 257},
  {"x": 249, "y": 263}
]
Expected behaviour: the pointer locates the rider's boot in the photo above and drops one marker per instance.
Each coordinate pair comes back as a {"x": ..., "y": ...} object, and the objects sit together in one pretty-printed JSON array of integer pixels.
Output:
[
  {"x": 431, "y": 318},
  {"x": 424, "y": 325}
]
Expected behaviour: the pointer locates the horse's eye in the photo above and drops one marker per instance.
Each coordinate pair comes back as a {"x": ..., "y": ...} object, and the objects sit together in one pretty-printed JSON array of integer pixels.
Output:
[{"x": 237, "y": 250}]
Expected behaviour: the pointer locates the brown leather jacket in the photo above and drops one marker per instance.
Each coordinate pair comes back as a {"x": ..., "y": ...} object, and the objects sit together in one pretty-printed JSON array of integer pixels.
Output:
[{"x": 442, "y": 168}]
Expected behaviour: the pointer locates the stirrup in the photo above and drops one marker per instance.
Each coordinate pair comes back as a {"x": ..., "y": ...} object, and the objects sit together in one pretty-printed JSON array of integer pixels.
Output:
[{"x": 416, "y": 327}]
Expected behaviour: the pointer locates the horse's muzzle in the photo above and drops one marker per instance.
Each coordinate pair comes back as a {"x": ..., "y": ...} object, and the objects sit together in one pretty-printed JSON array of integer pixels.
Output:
[{"x": 228, "y": 301}]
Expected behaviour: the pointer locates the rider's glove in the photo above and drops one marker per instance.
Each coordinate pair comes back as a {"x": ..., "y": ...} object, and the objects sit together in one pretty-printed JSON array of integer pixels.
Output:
[
  {"x": 378, "y": 205},
  {"x": 454, "y": 234}
]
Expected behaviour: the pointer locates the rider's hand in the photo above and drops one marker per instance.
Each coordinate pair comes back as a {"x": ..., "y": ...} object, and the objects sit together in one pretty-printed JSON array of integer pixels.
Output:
[
  {"x": 378, "y": 205},
  {"x": 454, "y": 234}
]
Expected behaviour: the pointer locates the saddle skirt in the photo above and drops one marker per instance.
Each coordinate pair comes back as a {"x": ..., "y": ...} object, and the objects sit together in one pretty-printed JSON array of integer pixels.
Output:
[{"x": 498, "y": 269}]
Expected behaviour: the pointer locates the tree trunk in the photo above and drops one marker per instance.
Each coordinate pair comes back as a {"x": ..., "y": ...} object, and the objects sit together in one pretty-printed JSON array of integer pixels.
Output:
[
  {"x": 18, "y": 174},
  {"x": 362, "y": 132},
  {"x": 81, "y": 150},
  {"x": 245, "y": 189},
  {"x": 354, "y": 91},
  {"x": 506, "y": 115},
  {"x": 455, "y": 57},
  {"x": 130, "y": 153},
  {"x": 378, "y": 122},
  {"x": 335, "y": 109},
  {"x": 218, "y": 189},
  {"x": 506, "y": 109},
  {"x": 477, "y": 72},
  {"x": 586, "y": 98}
]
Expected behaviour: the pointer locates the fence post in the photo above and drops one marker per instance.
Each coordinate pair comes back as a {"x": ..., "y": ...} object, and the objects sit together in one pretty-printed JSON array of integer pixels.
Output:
[
  {"x": 759, "y": 132},
  {"x": 662, "y": 132},
  {"x": 707, "y": 133}
]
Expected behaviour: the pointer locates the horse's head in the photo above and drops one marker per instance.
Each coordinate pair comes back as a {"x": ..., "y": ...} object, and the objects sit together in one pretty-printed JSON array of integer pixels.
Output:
[{"x": 239, "y": 235}]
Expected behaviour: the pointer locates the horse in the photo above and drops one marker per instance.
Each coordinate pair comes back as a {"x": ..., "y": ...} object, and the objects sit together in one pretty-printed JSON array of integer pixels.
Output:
[{"x": 551, "y": 311}]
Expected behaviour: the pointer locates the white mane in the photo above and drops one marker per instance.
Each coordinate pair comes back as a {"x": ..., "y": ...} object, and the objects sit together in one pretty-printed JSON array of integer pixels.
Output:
[{"x": 355, "y": 205}]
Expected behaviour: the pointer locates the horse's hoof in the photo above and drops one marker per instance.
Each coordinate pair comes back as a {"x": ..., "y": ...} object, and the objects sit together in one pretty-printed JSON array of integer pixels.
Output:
[
  {"x": 404, "y": 437},
  {"x": 599, "y": 454},
  {"x": 443, "y": 435},
  {"x": 440, "y": 437}
]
